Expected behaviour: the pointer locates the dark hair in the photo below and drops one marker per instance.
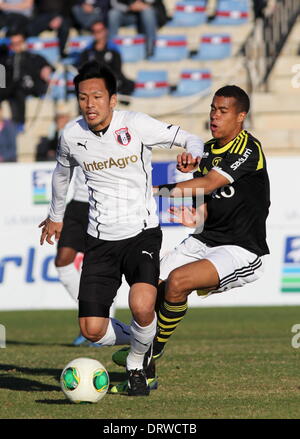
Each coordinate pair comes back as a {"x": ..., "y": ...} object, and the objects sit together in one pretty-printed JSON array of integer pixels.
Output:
[
  {"x": 98, "y": 21},
  {"x": 13, "y": 31},
  {"x": 241, "y": 97},
  {"x": 93, "y": 69}
]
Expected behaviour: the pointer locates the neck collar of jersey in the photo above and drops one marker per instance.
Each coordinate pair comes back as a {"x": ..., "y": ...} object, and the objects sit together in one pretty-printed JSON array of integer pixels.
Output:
[
  {"x": 100, "y": 133},
  {"x": 215, "y": 149}
]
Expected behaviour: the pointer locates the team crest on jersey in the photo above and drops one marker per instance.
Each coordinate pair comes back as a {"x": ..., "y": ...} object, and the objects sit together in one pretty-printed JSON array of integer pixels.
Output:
[
  {"x": 216, "y": 161},
  {"x": 123, "y": 136}
]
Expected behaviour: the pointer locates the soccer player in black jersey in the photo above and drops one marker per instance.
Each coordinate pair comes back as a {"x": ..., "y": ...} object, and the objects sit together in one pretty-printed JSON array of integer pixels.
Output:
[
  {"x": 228, "y": 252},
  {"x": 226, "y": 249}
]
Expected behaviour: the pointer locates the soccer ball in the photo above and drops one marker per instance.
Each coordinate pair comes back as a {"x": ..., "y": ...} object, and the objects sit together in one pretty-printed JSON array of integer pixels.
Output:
[{"x": 84, "y": 380}]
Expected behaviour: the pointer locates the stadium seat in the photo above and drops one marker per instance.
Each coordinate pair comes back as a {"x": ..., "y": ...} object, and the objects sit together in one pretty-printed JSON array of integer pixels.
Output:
[
  {"x": 188, "y": 13},
  {"x": 152, "y": 83},
  {"x": 75, "y": 46},
  {"x": 231, "y": 12},
  {"x": 213, "y": 46},
  {"x": 132, "y": 49},
  {"x": 4, "y": 41},
  {"x": 192, "y": 82},
  {"x": 170, "y": 48},
  {"x": 61, "y": 85},
  {"x": 46, "y": 47}
]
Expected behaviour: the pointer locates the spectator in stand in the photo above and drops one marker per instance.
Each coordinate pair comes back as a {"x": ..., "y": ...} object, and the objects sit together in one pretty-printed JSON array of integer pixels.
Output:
[
  {"x": 104, "y": 52},
  {"x": 27, "y": 74},
  {"x": 8, "y": 140},
  {"x": 46, "y": 149},
  {"x": 211, "y": 8},
  {"x": 53, "y": 15},
  {"x": 86, "y": 12},
  {"x": 258, "y": 8},
  {"x": 147, "y": 15},
  {"x": 15, "y": 14}
]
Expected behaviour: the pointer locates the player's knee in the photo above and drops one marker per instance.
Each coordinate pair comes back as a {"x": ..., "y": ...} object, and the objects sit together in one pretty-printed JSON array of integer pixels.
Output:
[
  {"x": 93, "y": 333},
  {"x": 143, "y": 317},
  {"x": 62, "y": 261},
  {"x": 176, "y": 287}
]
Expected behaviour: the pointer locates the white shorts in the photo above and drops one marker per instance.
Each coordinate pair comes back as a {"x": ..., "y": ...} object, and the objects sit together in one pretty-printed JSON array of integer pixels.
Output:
[{"x": 235, "y": 265}]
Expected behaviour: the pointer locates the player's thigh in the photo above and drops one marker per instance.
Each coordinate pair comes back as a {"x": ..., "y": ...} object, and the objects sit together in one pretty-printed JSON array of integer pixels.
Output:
[
  {"x": 141, "y": 258},
  {"x": 236, "y": 266},
  {"x": 188, "y": 251},
  {"x": 100, "y": 278},
  {"x": 141, "y": 270}
]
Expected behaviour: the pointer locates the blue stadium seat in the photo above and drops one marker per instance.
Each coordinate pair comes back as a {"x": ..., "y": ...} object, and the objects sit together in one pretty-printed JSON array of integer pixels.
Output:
[
  {"x": 214, "y": 46},
  {"x": 75, "y": 46},
  {"x": 188, "y": 13},
  {"x": 193, "y": 81},
  {"x": 61, "y": 85},
  {"x": 132, "y": 49},
  {"x": 4, "y": 41},
  {"x": 46, "y": 47},
  {"x": 170, "y": 48},
  {"x": 152, "y": 83},
  {"x": 70, "y": 83},
  {"x": 231, "y": 12},
  {"x": 57, "y": 88}
]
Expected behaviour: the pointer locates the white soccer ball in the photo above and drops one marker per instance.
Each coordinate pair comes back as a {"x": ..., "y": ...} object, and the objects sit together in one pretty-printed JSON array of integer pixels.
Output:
[{"x": 84, "y": 380}]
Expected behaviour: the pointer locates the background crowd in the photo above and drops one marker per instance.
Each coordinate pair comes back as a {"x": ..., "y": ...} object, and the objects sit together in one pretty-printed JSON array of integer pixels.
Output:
[{"x": 29, "y": 74}]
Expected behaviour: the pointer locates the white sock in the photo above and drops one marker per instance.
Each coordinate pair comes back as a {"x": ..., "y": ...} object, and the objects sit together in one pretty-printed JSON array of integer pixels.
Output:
[
  {"x": 70, "y": 278},
  {"x": 141, "y": 339},
  {"x": 117, "y": 333}
]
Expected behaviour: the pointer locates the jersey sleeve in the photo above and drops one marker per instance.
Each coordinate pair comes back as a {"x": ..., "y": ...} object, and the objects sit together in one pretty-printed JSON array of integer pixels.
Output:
[
  {"x": 154, "y": 133},
  {"x": 235, "y": 166},
  {"x": 63, "y": 155}
]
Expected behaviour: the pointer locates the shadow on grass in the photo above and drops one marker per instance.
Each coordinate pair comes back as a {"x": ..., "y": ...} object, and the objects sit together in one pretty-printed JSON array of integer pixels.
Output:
[
  {"x": 54, "y": 401},
  {"x": 30, "y": 370},
  {"x": 25, "y": 385},
  {"x": 32, "y": 343}
]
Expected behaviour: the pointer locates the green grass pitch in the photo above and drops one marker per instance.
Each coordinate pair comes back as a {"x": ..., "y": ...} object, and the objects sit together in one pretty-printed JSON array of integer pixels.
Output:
[{"x": 221, "y": 363}]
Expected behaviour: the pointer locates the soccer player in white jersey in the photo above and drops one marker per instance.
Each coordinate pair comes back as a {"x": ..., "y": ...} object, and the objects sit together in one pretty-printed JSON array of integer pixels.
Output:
[{"x": 124, "y": 238}]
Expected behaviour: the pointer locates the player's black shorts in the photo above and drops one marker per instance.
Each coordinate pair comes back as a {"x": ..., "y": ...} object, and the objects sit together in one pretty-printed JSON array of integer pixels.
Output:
[
  {"x": 105, "y": 262},
  {"x": 76, "y": 220}
]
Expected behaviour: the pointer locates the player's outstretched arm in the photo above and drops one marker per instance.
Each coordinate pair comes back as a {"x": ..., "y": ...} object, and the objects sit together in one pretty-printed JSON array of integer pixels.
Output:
[{"x": 192, "y": 188}]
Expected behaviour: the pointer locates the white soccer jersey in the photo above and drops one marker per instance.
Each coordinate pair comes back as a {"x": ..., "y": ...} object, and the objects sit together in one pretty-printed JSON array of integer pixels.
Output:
[
  {"x": 117, "y": 167},
  {"x": 80, "y": 192}
]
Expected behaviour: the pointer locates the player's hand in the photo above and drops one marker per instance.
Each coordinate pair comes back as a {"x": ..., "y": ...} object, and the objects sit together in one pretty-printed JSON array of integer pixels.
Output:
[
  {"x": 187, "y": 216},
  {"x": 50, "y": 228},
  {"x": 186, "y": 162}
]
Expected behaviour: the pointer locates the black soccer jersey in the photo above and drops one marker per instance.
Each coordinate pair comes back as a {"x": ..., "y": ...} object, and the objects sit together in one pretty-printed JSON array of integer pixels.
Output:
[{"x": 237, "y": 212}]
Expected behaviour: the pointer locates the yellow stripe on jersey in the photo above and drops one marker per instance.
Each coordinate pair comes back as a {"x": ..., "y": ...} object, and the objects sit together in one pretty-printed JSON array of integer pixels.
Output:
[
  {"x": 216, "y": 150},
  {"x": 237, "y": 140},
  {"x": 231, "y": 144},
  {"x": 244, "y": 143},
  {"x": 260, "y": 163}
]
